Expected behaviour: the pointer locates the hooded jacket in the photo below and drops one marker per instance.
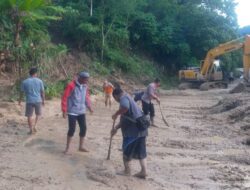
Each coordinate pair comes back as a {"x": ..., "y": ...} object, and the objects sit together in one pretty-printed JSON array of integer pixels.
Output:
[{"x": 76, "y": 98}]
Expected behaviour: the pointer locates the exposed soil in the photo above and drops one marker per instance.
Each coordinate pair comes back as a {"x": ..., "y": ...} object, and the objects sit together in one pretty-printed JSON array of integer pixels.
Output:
[{"x": 205, "y": 147}]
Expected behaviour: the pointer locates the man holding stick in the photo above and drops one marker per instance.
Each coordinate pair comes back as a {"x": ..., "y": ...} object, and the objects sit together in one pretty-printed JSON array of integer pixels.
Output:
[
  {"x": 134, "y": 139},
  {"x": 148, "y": 96}
]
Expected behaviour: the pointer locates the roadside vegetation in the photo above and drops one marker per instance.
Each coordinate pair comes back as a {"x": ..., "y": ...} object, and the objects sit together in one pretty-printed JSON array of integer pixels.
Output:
[{"x": 142, "y": 38}]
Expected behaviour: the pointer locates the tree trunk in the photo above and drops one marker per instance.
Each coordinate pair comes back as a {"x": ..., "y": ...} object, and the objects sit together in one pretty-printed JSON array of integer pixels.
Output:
[
  {"x": 17, "y": 44},
  {"x": 91, "y": 7},
  {"x": 103, "y": 35},
  {"x": 17, "y": 32},
  {"x": 103, "y": 43}
]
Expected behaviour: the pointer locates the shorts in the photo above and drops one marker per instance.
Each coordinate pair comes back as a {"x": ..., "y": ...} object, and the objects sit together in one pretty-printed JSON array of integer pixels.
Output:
[
  {"x": 108, "y": 96},
  {"x": 148, "y": 109},
  {"x": 81, "y": 119},
  {"x": 29, "y": 109}
]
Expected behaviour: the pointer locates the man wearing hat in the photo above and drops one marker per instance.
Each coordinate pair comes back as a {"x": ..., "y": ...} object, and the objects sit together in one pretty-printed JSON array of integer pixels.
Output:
[
  {"x": 33, "y": 89},
  {"x": 75, "y": 102}
]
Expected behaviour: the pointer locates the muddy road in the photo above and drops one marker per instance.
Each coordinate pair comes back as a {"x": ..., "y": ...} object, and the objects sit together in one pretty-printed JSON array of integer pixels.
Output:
[{"x": 205, "y": 147}]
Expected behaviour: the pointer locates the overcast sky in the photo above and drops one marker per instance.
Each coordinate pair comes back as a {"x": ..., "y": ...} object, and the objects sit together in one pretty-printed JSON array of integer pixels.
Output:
[{"x": 243, "y": 12}]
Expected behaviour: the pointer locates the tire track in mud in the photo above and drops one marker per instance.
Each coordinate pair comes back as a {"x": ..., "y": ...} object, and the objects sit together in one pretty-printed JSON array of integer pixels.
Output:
[
  {"x": 183, "y": 167},
  {"x": 197, "y": 151},
  {"x": 200, "y": 137}
]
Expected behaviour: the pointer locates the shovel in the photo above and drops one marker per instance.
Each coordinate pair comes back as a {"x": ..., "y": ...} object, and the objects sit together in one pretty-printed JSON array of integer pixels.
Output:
[
  {"x": 163, "y": 118},
  {"x": 110, "y": 142}
]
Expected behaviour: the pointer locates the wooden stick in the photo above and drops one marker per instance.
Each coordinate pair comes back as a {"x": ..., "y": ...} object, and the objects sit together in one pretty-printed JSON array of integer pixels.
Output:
[
  {"x": 110, "y": 142},
  {"x": 163, "y": 118}
]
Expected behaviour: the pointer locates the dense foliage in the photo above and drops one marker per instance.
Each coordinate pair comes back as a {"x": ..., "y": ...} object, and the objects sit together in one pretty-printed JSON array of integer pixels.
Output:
[
  {"x": 175, "y": 33},
  {"x": 24, "y": 34},
  {"x": 122, "y": 34}
]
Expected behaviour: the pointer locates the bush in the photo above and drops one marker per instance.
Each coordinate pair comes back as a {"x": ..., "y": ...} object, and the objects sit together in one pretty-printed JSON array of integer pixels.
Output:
[
  {"x": 99, "y": 68},
  {"x": 168, "y": 82},
  {"x": 122, "y": 61},
  {"x": 132, "y": 65},
  {"x": 55, "y": 89}
]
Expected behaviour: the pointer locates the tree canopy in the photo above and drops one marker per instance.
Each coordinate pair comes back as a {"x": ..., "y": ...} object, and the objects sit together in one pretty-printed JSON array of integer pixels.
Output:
[{"x": 173, "y": 33}]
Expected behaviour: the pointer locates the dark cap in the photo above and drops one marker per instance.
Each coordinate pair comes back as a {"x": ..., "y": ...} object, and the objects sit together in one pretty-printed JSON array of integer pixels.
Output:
[{"x": 84, "y": 74}]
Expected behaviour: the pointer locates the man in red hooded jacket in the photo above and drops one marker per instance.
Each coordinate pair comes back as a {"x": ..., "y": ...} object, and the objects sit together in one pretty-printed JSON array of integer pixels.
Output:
[{"x": 75, "y": 102}]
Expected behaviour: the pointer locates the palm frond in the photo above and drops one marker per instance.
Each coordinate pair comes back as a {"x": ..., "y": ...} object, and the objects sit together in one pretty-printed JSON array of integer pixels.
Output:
[
  {"x": 56, "y": 9},
  {"x": 28, "y": 5},
  {"x": 38, "y": 3},
  {"x": 40, "y": 15}
]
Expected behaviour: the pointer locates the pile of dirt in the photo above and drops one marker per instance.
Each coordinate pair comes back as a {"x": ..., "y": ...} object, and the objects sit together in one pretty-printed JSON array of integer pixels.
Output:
[
  {"x": 230, "y": 110},
  {"x": 238, "y": 88},
  {"x": 225, "y": 105},
  {"x": 240, "y": 114}
]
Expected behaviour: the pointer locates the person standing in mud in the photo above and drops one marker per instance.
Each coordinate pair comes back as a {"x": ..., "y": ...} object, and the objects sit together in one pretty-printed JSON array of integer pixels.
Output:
[
  {"x": 108, "y": 89},
  {"x": 33, "y": 89},
  {"x": 148, "y": 96},
  {"x": 134, "y": 139},
  {"x": 75, "y": 102}
]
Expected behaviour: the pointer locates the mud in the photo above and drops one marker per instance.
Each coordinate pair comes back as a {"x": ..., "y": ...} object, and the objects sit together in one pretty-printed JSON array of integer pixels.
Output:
[{"x": 205, "y": 147}]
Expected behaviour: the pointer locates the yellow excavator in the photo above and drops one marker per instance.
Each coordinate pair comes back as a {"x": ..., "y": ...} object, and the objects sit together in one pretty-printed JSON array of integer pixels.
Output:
[{"x": 209, "y": 74}]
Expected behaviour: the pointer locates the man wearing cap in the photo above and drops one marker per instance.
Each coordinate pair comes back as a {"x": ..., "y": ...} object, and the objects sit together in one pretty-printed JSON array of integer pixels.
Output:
[
  {"x": 34, "y": 91},
  {"x": 75, "y": 102}
]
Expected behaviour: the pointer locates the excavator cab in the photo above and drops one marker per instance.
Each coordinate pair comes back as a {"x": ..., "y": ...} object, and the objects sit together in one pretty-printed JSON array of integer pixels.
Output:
[
  {"x": 216, "y": 72},
  {"x": 193, "y": 73}
]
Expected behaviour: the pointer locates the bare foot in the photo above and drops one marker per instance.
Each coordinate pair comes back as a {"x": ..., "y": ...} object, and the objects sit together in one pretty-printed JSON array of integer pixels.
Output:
[
  {"x": 124, "y": 173},
  {"x": 153, "y": 125},
  {"x": 67, "y": 152},
  {"x": 141, "y": 175},
  {"x": 34, "y": 130},
  {"x": 83, "y": 150}
]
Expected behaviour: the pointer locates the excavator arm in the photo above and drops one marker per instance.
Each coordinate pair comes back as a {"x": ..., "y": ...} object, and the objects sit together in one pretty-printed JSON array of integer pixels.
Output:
[
  {"x": 217, "y": 51},
  {"x": 246, "y": 58},
  {"x": 208, "y": 74}
]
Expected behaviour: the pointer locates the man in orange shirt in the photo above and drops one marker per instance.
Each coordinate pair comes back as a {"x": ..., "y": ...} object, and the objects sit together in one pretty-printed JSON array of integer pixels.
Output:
[{"x": 108, "y": 90}]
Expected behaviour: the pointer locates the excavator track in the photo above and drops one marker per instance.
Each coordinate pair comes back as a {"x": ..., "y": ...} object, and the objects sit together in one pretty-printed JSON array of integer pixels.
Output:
[
  {"x": 215, "y": 84},
  {"x": 188, "y": 85}
]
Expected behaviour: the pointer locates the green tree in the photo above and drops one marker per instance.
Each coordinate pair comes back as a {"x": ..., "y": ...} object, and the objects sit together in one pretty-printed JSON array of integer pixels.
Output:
[
  {"x": 175, "y": 33},
  {"x": 180, "y": 32},
  {"x": 27, "y": 12}
]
